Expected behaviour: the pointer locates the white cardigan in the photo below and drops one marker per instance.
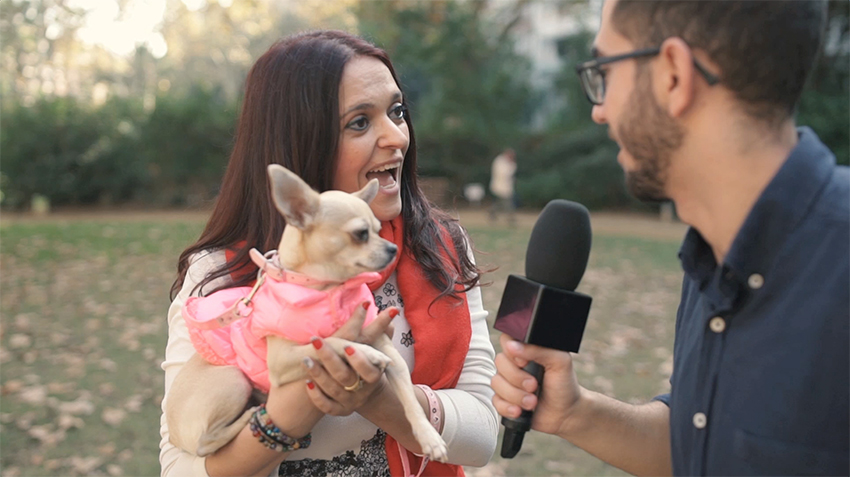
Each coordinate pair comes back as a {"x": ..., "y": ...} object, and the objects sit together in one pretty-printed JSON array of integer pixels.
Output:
[{"x": 470, "y": 423}]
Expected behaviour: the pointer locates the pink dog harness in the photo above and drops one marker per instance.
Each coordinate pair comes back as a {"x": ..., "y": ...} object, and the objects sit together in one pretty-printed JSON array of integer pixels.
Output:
[{"x": 229, "y": 327}]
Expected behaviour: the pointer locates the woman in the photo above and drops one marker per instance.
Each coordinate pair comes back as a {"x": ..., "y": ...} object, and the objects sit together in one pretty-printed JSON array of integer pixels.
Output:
[{"x": 327, "y": 105}]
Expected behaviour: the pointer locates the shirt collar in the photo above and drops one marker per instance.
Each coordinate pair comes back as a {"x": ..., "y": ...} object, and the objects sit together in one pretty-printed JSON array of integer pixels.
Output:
[{"x": 777, "y": 212}]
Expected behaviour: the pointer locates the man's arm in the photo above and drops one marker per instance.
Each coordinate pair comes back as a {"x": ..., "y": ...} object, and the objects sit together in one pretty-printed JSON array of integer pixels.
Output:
[{"x": 635, "y": 438}]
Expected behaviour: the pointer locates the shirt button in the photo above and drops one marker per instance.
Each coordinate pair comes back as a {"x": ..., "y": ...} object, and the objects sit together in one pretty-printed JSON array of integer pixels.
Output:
[
  {"x": 755, "y": 281},
  {"x": 717, "y": 324},
  {"x": 699, "y": 420}
]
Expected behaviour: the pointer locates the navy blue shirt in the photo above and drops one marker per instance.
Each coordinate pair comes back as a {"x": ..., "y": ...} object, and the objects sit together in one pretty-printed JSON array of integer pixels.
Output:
[{"x": 760, "y": 362}]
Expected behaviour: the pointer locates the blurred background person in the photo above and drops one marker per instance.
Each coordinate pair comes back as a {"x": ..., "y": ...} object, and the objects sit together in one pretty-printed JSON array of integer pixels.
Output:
[{"x": 502, "y": 178}]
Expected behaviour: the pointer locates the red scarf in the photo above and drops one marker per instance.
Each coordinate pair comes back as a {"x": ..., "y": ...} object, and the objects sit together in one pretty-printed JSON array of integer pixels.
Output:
[{"x": 441, "y": 333}]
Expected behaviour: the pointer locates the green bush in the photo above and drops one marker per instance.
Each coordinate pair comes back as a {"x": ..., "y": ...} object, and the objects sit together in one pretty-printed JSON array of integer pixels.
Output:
[
  {"x": 69, "y": 152},
  {"x": 76, "y": 154},
  {"x": 185, "y": 142}
]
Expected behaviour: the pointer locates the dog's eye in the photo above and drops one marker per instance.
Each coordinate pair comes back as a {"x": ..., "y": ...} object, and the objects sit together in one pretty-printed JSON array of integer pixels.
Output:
[{"x": 361, "y": 236}]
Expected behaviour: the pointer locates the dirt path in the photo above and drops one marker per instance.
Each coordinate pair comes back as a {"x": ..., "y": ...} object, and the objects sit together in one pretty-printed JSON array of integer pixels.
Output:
[{"x": 604, "y": 223}]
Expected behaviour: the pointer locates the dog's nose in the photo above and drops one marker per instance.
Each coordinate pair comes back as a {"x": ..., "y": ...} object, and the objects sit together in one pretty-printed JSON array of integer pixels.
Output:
[{"x": 391, "y": 249}]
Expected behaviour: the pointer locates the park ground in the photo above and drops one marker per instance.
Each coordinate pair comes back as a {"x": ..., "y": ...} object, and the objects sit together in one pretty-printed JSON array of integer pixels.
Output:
[{"x": 83, "y": 297}]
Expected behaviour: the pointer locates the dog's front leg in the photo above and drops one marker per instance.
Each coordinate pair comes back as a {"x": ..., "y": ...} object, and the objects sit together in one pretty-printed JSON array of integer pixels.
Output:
[
  {"x": 285, "y": 357},
  {"x": 398, "y": 376}
]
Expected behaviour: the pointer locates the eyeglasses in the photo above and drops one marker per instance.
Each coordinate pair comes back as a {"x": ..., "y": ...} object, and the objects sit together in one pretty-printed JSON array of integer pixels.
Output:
[{"x": 593, "y": 77}]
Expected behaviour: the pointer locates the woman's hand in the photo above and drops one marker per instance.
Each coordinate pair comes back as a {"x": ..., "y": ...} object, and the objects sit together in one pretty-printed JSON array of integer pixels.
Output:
[
  {"x": 353, "y": 329},
  {"x": 330, "y": 374}
]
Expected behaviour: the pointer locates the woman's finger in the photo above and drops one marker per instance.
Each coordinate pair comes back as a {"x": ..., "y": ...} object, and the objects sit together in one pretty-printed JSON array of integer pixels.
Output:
[
  {"x": 330, "y": 396},
  {"x": 322, "y": 401},
  {"x": 378, "y": 326},
  {"x": 362, "y": 366},
  {"x": 334, "y": 365},
  {"x": 351, "y": 329}
]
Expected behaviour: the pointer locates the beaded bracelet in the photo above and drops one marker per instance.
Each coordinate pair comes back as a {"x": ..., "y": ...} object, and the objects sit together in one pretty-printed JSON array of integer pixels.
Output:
[{"x": 271, "y": 436}]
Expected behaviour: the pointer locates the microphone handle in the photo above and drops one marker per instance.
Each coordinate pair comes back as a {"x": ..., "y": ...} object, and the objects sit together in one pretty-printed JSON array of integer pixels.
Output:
[{"x": 515, "y": 429}]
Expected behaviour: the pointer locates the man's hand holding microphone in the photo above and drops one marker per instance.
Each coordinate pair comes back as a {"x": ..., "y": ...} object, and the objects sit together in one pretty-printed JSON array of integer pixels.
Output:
[
  {"x": 542, "y": 319},
  {"x": 516, "y": 389}
]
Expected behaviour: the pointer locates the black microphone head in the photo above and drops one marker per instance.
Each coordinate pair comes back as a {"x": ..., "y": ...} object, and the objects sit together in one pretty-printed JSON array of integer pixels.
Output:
[{"x": 559, "y": 245}]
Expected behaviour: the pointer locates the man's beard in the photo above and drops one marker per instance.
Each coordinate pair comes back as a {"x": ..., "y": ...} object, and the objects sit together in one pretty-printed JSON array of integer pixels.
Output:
[{"x": 649, "y": 135}]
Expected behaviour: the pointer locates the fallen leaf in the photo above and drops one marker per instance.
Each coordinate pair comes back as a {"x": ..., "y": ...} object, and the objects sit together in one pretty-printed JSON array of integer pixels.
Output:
[
  {"x": 134, "y": 403},
  {"x": 11, "y": 472},
  {"x": 67, "y": 421},
  {"x": 108, "y": 364},
  {"x": 106, "y": 389},
  {"x": 22, "y": 321},
  {"x": 61, "y": 388},
  {"x": 20, "y": 341},
  {"x": 82, "y": 405},
  {"x": 47, "y": 435},
  {"x": 84, "y": 465},
  {"x": 113, "y": 416},
  {"x": 35, "y": 395},
  {"x": 24, "y": 421},
  {"x": 107, "y": 449},
  {"x": 12, "y": 386},
  {"x": 30, "y": 356}
]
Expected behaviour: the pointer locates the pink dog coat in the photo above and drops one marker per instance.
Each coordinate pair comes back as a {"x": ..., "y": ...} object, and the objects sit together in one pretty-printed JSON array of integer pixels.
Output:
[{"x": 279, "y": 308}]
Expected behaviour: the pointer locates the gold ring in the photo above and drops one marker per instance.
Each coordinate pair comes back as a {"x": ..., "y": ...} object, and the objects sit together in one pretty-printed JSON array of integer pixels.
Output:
[{"x": 355, "y": 386}]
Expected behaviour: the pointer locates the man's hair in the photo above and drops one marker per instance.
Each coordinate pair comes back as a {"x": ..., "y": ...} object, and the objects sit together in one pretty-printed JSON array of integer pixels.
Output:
[{"x": 764, "y": 49}]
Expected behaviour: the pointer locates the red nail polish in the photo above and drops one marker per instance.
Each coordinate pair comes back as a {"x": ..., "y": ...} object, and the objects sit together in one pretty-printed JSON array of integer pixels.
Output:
[
  {"x": 393, "y": 312},
  {"x": 349, "y": 350},
  {"x": 311, "y": 385},
  {"x": 317, "y": 343},
  {"x": 365, "y": 305}
]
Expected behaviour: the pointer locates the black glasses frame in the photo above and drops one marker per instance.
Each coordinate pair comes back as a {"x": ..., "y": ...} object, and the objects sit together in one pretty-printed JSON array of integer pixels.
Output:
[{"x": 595, "y": 63}]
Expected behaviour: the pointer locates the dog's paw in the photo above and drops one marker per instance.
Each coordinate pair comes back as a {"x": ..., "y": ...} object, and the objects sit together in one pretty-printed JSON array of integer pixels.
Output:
[
  {"x": 432, "y": 443},
  {"x": 377, "y": 358}
]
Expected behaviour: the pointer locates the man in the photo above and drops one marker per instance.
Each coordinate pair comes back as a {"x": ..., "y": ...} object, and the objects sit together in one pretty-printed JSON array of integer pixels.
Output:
[
  {"x": 502, "y": 185},
  {"x": 700, "y": 97}
]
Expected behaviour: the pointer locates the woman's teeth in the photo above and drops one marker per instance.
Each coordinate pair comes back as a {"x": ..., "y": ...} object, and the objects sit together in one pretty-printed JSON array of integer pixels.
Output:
[{"x": 385, "y": 176}]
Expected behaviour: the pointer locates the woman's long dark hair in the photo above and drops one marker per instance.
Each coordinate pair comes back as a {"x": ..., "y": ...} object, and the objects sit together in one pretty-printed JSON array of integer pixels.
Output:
[{"x": 290, "y": 116}]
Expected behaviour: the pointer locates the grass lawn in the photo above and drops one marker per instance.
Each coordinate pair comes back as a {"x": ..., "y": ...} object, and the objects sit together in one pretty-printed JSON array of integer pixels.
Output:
[{"x": 82, "y": 310}]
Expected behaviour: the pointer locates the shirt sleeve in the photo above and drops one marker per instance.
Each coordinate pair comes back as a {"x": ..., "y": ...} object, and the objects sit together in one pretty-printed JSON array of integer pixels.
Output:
[
  {"x": 665, "y": 398},
  {"x": 470, "y": 421},
  {"x": 173, "y": 461}
]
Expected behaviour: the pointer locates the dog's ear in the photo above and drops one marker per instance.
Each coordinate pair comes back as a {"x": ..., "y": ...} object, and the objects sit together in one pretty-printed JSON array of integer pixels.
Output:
[
  {"x": 369, "y": 192},
  {"x": 296, "y": 201}
]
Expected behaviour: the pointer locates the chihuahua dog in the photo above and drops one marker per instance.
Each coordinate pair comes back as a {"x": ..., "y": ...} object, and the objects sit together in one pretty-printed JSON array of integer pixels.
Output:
[{"x": 330, "y": 238}]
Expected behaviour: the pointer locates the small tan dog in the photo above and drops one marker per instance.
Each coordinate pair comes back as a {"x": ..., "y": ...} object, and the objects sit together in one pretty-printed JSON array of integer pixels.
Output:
[{"x": 330, "y": 237}]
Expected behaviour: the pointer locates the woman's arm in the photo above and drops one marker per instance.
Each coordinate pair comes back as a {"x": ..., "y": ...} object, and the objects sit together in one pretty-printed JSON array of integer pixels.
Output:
[
  {"x": 470, "y": 424},
  {"x": 244, "y": 455}
]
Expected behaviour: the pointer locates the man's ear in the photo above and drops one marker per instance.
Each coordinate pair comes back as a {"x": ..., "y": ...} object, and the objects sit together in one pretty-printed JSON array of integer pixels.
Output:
[
  {"x": 293, "y": 198},
  {"x": 676, "y": 89},
  {"x": 369, "y": 192}
]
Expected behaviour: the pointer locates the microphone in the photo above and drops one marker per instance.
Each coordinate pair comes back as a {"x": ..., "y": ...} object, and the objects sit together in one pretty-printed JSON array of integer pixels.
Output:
[{"x": 544, "y": 309}]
